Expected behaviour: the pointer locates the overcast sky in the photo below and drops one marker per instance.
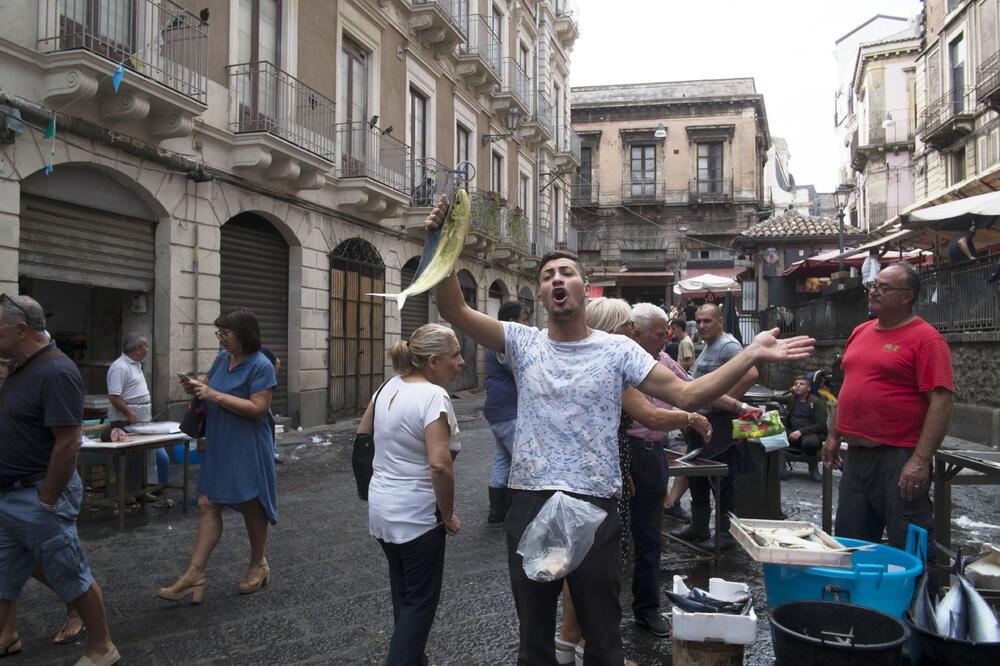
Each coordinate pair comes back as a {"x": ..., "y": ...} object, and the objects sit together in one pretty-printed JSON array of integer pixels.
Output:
[{"x": 785, "y": 45}]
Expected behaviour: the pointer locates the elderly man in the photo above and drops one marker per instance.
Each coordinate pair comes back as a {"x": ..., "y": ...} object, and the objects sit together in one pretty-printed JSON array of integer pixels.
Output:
[
  {"x": 570, "y": 381},
  {"x": 127, "y": 390},
  {"x": 893, "y": 412},
  {"x": 720, "y": 348},
  {"x": 41, "y": 409}
]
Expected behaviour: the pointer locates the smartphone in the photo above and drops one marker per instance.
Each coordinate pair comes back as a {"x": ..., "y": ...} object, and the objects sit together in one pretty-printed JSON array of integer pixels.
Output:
[{"x": 184, "y": 377}]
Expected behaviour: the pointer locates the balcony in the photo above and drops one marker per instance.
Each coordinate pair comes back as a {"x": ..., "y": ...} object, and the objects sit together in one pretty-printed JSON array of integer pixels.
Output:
[
  {"x": 375, "y": 171},
  {"x": 162, "y": 49},
  {"x": 567, "y": 148},
  {"x": 644, "y": 191},
  {"x": 567, "y": 23},
  {"x": 539, "y": 126},
  {"x": 890, "y": 131},
  {"x": 584, "y": 190},
  {"x": 988, "y": 82},
  {"x": 710, "y": 191},
  {"x": 859, "y": 158},
  {"x": 284, "y": 129},
  {"x": 880, "y": 213},
  {"x": 947, "y": 119},
  {"x": 439, "y": 24},
  {"x": 513, "y": 91},
  {"x": 572, "y": 242},
  {"x": 479, "y": 62}
]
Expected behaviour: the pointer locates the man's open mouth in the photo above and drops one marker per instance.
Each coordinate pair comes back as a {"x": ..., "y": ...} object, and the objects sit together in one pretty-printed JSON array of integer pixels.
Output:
[{"x": 559, "y": 295}]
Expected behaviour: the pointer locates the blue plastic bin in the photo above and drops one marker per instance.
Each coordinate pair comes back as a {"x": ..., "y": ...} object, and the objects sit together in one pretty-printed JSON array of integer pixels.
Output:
[
  {"x": 868, "y": 583},
  {"x": 178, "y": 453}
]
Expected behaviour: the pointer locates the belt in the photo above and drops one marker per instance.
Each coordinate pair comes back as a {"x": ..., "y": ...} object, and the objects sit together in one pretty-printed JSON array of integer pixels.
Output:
[
  {"x": 644, "y": 444},
  {"x": 22, "y": 483}
]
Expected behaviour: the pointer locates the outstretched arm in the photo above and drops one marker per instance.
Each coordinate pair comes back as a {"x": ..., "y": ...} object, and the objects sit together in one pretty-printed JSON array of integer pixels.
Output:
[{"x": 448, "y": 294}]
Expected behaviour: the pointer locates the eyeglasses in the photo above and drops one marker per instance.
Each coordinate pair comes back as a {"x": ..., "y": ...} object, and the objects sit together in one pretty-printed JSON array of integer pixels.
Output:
[
  {"x": 8, "y": 299},
  {"x": 222, "y": 335},
  {"x": 880, "y": 288}
]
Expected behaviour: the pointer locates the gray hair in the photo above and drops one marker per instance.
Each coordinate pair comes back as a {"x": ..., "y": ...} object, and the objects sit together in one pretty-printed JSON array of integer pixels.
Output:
[
  {"x": 912, "y": 278},
  {"x": 23, "y": 308},
  {"x": 646, "y": 315},
  {"x": 133, "y": 341}
]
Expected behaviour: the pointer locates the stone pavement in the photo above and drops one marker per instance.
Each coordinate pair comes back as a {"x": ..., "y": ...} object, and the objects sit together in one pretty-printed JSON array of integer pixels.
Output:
[{"x": 328, "y": 600}]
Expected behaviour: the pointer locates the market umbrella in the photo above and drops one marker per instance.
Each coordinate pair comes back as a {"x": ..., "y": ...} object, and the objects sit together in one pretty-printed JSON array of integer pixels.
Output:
[
  {"x": 982, "y": 211},
  {"x": 730, "y": 318},
  {"x": 706, "y": 282}
]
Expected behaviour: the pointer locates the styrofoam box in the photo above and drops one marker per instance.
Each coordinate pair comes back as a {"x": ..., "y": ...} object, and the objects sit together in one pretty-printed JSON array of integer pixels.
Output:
[{"x": 721, "y": 627}]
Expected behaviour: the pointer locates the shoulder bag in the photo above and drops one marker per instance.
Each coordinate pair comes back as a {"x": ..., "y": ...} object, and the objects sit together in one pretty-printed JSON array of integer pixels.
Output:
[{"x": 363, "y": 455}]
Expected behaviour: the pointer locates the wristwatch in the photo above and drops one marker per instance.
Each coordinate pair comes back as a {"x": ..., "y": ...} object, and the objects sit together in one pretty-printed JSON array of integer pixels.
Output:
[{"x": 690, "y": 419}]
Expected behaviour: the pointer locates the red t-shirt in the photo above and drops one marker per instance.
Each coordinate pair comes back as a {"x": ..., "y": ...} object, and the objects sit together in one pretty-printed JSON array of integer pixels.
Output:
[{"x": 886, "y": 377}]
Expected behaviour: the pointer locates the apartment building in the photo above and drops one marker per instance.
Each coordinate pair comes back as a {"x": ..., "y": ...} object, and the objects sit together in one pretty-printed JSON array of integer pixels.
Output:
[
  {"x": 164, "y": 161},
  {"x": 669, "y": 174}
]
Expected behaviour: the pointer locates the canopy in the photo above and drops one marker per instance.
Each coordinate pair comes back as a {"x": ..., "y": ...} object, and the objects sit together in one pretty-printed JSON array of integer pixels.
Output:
[
  {"x": 981, "y": 210},
  {"x": 706, "y": 282},
  {"x": 825, "y": 263}
]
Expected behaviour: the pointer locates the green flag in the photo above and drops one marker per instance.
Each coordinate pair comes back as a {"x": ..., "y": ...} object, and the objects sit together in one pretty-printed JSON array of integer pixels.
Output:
[{"x": 50, "y": 131}]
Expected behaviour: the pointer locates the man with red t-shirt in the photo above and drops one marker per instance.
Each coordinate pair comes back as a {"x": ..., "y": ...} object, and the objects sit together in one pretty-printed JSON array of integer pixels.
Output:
[{"x": 893, "y": 412}]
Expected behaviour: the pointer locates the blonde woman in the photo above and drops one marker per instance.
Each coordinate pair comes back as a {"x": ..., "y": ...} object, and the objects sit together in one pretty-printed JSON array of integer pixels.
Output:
[
  {"x": 614, "y": 315},
  {"x": 411, "y": 499}
]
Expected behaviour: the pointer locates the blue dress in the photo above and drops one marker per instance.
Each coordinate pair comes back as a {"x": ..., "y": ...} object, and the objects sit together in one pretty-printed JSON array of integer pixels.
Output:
[{"x": 238, "y": 462}]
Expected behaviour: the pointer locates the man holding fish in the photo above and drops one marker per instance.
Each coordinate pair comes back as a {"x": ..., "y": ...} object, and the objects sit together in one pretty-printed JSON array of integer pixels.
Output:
[{"x": 570, "y": 382}]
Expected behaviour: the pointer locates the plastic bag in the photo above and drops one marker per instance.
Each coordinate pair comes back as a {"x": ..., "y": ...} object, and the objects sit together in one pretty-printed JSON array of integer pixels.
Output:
[
  {"x": 559, "y": 537},
  {"x": 770, "y": 424},
  {"x": 774, "y": 442}
]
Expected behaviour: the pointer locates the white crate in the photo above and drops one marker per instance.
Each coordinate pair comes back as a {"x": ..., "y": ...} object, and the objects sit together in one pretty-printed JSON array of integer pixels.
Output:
[
  {"x": 795, "y": 556},
  {"x": 719, "y": 627}
]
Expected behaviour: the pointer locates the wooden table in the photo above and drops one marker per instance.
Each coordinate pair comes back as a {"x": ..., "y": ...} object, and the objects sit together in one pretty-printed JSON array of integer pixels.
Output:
[
  {"x": 985, "y": 466},
  {"x": 712, "y": 469},
  {"x": 139, "y": 443}
]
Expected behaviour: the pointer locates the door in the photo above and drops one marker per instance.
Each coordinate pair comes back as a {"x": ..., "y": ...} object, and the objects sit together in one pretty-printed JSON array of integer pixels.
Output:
[
  {"x": 254, "y": 274},
  {"x": 353, "y": 108},
  {"x": 414, "y": 313},
  {"x": 466, "y": 379},
  {"x": 258, "y": 53},
  {"x": 357, "y": 326}
]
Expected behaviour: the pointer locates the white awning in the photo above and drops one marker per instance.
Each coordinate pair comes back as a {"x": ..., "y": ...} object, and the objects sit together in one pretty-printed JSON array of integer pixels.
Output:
[
  {"x": 982, "y": 205},
  {"x": 706, "y": 282},
  {"x": 884, "y": 241}
]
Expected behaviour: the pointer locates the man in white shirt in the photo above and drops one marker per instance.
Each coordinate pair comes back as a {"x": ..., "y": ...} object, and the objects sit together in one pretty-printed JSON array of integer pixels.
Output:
[
  {"x": 127, "y": 390},
  {"x": 570, "y": 381}
]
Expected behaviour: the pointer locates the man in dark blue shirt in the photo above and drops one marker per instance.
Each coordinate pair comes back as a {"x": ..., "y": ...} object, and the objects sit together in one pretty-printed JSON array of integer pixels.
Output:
[
  {"x": 41, "y": 409},
  {"x": 500, "y": 411}
]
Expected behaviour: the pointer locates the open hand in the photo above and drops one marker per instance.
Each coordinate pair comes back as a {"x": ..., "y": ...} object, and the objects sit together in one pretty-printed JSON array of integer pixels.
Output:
[
  {"x": 436, "y": 217},
  {"x": 830, "y": 453},
  {"x": 770, "y": 349}
]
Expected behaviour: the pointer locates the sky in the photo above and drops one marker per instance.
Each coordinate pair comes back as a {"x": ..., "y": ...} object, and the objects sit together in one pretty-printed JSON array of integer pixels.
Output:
[{"x": 785, "y": 45}]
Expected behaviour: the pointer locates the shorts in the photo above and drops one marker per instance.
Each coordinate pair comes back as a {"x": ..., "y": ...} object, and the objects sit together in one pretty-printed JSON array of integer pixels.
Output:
[{"x": 30, "y": 535}]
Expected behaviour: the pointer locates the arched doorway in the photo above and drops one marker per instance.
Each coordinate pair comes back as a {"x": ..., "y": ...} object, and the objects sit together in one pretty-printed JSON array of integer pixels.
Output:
[
  {"x": 357, "y": 326},
  {"x": 254, "y": 274},
  {"x": 414, "y": 312},
  {"x": 466, "y": 379},
  {"x": 495, "y": 297}
]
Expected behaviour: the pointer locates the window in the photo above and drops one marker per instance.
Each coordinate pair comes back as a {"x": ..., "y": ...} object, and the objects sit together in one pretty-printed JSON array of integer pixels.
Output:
[
  {"x": 586, "y": 174},
  {"x": 958, "y": 165},
  {"x": 353, "y": 102},
  {"x": 496, "y": 24},
  {"x": 462, "y": 142},
  {"x": 643, "y": 171},
  {"x": 422, "y": 183},
  {"x": 257, "y": 42},
  {"x": 956, "y": 61},
  {"x": 496, "y": 174},
  {"x": 557, "y": 210},
  {"x": 710, "y": 168},
  {"x": 523, "y": 188},
  {"x": 561, "y": 142}
]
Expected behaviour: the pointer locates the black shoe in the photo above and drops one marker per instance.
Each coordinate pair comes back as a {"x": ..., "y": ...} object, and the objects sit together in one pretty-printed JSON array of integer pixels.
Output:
[
  {"x": 499, "y": 503},
  {"x": 677, "y": 512},
  {"x": 726, "y": 542},
  {"x": 815, "y": 473},
  {"x": 691, "y": 534},
  {"x": 655, "y": 624}
]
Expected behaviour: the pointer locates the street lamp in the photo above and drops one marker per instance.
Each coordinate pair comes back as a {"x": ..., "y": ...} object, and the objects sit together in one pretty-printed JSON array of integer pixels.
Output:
[
  {"x": 513, "y": 120},
  {"x": 842, "y": 195},
  {"x": 661, "y": 132}
]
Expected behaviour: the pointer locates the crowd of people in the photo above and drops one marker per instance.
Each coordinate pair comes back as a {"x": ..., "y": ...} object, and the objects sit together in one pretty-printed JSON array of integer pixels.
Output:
[{"x": 586, "y": 406}]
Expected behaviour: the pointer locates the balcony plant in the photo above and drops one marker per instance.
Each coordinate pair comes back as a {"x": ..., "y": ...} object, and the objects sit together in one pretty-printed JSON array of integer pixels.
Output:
[
  {"x": 493, "y": 206},
  {"x": 517, "y": 228}
]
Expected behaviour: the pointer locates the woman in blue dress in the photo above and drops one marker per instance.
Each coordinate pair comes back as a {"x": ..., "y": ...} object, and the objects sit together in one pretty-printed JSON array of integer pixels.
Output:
[{"x": 237, "y": 466}]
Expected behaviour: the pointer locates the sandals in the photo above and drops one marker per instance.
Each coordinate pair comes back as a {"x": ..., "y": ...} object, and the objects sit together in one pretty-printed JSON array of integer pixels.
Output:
[
  {"x": 565, "y": 651},
  {"x": 66, "y": 637},
  {"x": 10, "y": 650}
]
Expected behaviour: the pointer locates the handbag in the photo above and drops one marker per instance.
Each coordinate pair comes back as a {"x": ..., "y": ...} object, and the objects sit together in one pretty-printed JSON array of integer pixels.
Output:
[
  {"x": 363, "y": 454},
  {"x": 193, "y": 421}
]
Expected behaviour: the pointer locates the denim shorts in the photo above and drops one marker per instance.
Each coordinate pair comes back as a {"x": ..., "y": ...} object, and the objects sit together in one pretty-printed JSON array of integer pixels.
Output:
[{"x": 31, "y": 535}]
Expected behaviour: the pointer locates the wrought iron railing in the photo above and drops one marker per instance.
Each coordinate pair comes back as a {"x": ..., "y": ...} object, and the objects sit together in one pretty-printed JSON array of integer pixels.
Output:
[
  {"x": 568, "y": 141},
  {"x": 567, "y": 9},
  {"x": 453, "y": 10},
  {"x": 988, "y": 76},
  {"x": 544, "y": 242},
  {"x": 428, "y": 179},
  {"x": 953, "y": 103},
  {"x": 543, "y": 114},
  {"x": 701, "y": 190},
  {"x": 959, "y": 297},
  {"x": 368, "y": 152},
  {"x": 484, "y": 42},
  {"x": 895, "y": 128},
  {"x": 157, "y": 39},
  {"x": 585, "y": 190},
  {"x": 516, "y": 82},
  {"x": 828, "y": 318},
  {"x": 515, "y": 230},
  {"x": 643, "y": 191},
  {"x": 264, "y": 98},
  {"x": 572, "y": 239},
  {"x": 487, "y": 212},
  {"x": 879, "y": 213}
]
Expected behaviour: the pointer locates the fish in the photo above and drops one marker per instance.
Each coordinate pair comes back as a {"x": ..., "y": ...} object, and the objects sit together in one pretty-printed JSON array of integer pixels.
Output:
[
  {"x": 982, "y": 622},
  {"x": 444, "y": 248},
  {"x": 951, "y": 614},
  {"x": 700, "y": 601},
  {"x": 922, "y": 609}
]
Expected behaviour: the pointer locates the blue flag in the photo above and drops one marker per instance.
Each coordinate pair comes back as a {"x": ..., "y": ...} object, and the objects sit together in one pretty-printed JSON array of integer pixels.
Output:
[{"x": 116, "y": 80}]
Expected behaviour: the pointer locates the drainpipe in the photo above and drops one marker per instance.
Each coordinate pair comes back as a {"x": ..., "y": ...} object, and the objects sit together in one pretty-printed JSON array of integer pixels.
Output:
[{"x": 197, "y": 276}]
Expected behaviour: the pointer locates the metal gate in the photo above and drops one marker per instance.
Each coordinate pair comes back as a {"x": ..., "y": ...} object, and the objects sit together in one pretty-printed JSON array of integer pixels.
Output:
[
  {"x": 254, "y": 274},
  {"x": 357, "y": 326},
  {"x": 466, "y": 379},
  {"x": 414, "y": 313}
]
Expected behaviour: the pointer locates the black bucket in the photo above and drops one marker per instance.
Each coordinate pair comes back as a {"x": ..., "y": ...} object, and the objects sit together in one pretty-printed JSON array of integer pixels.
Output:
[
  {"x": 930, "y": 649},
  {"x": 835, "y": 633}
]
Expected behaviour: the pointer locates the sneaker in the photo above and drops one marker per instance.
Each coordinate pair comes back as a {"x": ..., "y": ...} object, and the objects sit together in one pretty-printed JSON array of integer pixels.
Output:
[
  {"x": 677, "y": 512},
  {"x": 655, "y": 624},
  {"x": 815, "y": 473}
]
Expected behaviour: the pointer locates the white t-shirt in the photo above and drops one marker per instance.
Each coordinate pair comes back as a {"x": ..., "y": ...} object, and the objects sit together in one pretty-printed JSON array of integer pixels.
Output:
[
  {"x": 125, "y": 379},
  {"x": 401, "y": 501},
  {"x": 569, "y": 401}
]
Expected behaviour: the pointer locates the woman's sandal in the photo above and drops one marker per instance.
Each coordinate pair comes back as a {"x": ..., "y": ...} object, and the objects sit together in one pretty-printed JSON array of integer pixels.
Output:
[
  {"x": 68, "y": 638},
  {"x": 565, "y": 651},
  {"x": 12, "y": 649}
]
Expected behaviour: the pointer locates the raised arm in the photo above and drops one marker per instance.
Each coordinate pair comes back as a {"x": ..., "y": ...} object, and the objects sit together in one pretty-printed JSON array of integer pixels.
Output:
[{"x": 448, "y": 294}]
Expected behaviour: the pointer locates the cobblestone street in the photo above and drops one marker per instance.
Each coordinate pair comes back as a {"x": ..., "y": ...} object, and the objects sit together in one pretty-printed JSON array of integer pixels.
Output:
[{"x": 328, "y": 600}]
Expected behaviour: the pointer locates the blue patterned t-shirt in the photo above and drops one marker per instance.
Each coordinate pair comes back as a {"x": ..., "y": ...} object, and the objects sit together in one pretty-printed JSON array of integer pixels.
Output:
[{"x": 569, "y": 401}]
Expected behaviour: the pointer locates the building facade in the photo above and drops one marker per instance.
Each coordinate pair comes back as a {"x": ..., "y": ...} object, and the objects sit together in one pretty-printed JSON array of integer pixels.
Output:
[
  {"x": 670, "y": 173},
  {"x": 163, "y": 162}
]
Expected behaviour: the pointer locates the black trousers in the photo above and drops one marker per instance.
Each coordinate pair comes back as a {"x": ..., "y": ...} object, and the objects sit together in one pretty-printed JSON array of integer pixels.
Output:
[
  {"x": 416, "y": 569},
  {"x": 649, "y": 474},
  {"x": 809, "y": 443},
  {"x": 721, "y": 448},
  {"x": 594, "y": 587}
]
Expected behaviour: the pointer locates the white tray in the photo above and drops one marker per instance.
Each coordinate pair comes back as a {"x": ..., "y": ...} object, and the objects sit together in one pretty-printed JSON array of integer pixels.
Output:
[
  {"x": 777, "y": 555},
  {"x": 154, "y": 428}
]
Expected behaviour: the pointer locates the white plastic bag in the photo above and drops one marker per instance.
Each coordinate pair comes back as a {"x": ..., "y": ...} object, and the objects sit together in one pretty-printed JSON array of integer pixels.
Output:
[
  {"x": 775, "y": 442},
  {"x": 559, "y": 537}
]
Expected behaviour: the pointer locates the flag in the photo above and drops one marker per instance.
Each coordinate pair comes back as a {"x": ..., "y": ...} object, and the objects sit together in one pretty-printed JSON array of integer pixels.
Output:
[
  {"x": 50, "y": 131},
  {"x": 116, "y": 80}
]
